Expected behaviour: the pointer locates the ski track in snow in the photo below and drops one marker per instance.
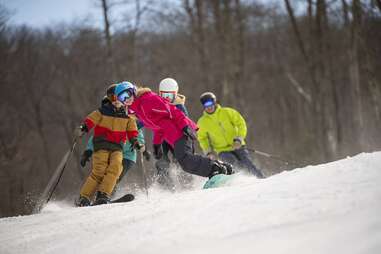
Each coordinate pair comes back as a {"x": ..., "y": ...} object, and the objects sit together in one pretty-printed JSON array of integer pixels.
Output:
[{"x": 329, "y": 208}]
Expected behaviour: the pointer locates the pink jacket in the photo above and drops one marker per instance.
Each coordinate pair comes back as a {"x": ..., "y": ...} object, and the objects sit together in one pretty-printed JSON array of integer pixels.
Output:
[{"x": 163, "y": 118}]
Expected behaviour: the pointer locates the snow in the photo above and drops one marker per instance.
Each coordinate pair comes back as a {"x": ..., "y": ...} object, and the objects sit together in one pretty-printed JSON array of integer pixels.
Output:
[{"x": 329, "y": 208}]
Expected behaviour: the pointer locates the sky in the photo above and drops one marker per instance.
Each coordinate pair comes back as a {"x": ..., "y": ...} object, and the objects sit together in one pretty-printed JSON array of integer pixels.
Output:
[{"x": 40, "y": 13}]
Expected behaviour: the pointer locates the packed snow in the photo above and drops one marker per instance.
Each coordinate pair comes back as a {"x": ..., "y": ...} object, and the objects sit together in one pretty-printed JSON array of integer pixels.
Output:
[{"x": 330, "y": 208}]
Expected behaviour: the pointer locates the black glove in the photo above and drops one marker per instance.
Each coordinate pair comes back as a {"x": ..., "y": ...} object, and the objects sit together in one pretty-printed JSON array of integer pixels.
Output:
[
  {"x": 134, "y": 144},
  {"x": 147, "y": 155},
  {"x": 85, "y": 157},
  {"x": 157, "y": 151},
  {"x": 80, "y": 130},
  {"x": 189, "y": 133}
]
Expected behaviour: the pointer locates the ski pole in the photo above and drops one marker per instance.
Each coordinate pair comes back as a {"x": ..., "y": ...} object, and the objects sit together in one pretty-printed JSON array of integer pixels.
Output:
[
  {"x": 63, "y": 169},
  {"x": 144, "y": 173},
  {"x": 55, "y": 179},
  {"x": 271, "y": 156}
]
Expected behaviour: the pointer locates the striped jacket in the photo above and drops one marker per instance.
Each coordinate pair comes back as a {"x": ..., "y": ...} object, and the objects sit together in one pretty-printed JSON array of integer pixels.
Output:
[{"x": 112, "y": 127}]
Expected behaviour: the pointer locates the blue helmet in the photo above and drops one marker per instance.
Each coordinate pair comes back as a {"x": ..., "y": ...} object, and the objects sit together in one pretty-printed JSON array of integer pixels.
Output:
[{"x": 124, "y": 90}]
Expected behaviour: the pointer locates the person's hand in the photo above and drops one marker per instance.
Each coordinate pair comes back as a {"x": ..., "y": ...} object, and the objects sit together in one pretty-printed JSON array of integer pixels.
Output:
[
  {"x": 79, "y": 131},
  {"x": 237, "y": 143},
  {"x": 189, "y": 133},
  {"x": 134, "y": 144},
  {"x": 142, "y": 148},
  {"x": 157, "y": 151},
  {"x": 85, "y": 157},
  {"x": 212, "y": 155}
]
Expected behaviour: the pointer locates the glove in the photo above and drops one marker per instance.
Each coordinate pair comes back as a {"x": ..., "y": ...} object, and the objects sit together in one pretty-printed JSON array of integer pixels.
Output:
[
  {"x": 134, "y": 144},
  {"x": 237, "y": 143},
  {"x": 80, "y": 130},
  {"x": 157, "y": 151},
  {"x": 85, "y": 157},
  {"x": 147, "y": 155},
  {"x": 189, "y": 133}
]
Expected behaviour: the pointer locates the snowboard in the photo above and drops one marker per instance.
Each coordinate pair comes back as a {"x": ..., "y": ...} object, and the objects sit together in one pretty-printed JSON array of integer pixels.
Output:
[{"x": 219, "y": 180}]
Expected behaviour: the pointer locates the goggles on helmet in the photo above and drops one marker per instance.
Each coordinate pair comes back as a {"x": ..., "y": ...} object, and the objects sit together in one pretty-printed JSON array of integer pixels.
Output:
[
  {"x": 124, "y": 96},
  {"x": 168, "y": 95},
  {"x": 208, "y": 104}
]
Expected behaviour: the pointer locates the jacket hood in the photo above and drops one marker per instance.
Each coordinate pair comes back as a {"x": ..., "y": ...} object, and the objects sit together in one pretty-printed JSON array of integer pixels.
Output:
[
  {"x": 142, "y": 90},
  {"x": 180, "y": 99}
]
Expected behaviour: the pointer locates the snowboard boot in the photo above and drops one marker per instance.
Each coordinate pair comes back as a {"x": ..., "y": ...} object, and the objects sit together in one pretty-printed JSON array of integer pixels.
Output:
[
  {"x": 102, "y": 198},
  {"x": 220, "y": 167},
  {"x": 82, "y": 201}
]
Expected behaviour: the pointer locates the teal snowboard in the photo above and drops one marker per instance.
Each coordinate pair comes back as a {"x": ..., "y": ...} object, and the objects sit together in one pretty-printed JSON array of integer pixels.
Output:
[{"x": 218, "y": 181}]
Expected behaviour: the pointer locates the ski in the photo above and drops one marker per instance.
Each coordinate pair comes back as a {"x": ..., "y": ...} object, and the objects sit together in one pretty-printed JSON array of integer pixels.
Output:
[{"x": 125, "y": 198}]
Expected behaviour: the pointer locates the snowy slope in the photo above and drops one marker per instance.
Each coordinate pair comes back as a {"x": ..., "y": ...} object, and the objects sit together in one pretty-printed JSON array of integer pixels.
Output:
[{"x": 330, "y": 208}]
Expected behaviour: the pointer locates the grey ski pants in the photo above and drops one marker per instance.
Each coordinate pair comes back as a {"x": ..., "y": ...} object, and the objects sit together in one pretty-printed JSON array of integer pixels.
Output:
[{"x": 241, "y": 158}]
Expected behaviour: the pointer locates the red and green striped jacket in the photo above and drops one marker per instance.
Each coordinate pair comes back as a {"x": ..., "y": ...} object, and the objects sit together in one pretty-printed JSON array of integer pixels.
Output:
[{"x": 111, "y": 128}]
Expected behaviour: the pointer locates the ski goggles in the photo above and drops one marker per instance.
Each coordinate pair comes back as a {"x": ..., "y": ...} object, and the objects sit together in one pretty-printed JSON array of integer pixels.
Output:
[
  {"x": 208, "y": 104},
  {"x": 124, "y": 96},
  {"x": 168, "y": 95}
]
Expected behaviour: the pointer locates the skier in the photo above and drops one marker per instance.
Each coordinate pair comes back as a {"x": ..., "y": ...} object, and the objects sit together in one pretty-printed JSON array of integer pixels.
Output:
[
  {"x": 171, "y": 125},
  {"x": 168, "y": 89},
  {"x": 112, "y": 127},
  {"x": 222, "y": 134}
]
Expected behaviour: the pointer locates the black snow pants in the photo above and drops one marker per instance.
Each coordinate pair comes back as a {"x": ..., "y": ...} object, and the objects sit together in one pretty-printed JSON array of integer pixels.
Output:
[{"x": 189, "y": 161}]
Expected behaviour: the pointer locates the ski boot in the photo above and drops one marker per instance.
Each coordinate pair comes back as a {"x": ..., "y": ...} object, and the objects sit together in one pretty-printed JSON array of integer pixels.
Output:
[
  {"x": 220, "y": 167},
  {"x": 82, "y": 201},
  {"x": 102, "y": 198}
]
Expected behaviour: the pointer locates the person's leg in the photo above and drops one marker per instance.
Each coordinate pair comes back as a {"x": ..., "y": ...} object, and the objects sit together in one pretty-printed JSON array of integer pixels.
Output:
[
  {"x": 162, "y": 169},
  {"x": 112, "y": 173},
  {"x": 100, "y": 162},
  {"x": 197, "y": 164},
  {"x": 245, "y": 160},
  {"x": 127, "y": 165},
  {"x": 228, "y": 157}
]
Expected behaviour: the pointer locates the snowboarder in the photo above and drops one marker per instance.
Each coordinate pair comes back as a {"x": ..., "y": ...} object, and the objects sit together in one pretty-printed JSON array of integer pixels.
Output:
[
  {"x": 170, "y": 124},
  {"x": 222, "y": 134},
  {"x": 168, "y": 89},
  {"x": 112, "y": 127}
]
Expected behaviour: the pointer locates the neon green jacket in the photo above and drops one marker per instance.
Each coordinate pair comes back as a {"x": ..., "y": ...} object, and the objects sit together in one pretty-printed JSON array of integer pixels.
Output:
[{"x": 217, "y": 131}]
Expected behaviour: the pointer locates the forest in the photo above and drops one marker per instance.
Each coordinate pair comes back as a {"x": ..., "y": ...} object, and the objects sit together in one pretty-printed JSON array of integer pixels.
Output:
[{"x": 303, "y": 73}]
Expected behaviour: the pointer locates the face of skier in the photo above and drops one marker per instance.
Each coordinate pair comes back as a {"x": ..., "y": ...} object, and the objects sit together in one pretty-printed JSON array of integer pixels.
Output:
[
  {"x": 169, "y": 96},
  {"x": 209, "y": 107},
  {"x": 126, "y": 98}
]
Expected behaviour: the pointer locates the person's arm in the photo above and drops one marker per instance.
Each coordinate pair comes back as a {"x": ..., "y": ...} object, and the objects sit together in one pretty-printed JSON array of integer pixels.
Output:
[
  {"x": 141, "y": 137},
  {"x": 239, "y": 122},
  {"x": 91, "y": 120},
  {"x": 90, "y": 144},
  {"x": 132, "y": 129}
]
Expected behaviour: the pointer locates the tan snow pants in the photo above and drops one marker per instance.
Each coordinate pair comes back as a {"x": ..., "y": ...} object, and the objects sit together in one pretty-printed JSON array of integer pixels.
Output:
[{"x": 107, "y": 166}]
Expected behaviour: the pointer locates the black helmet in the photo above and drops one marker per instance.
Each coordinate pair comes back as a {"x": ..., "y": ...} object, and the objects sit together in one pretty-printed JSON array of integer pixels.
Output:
[{"x": 208, "y": 96}]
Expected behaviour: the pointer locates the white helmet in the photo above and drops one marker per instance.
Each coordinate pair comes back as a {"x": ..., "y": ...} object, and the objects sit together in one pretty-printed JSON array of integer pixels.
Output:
[{"x": 168, "y": 85}]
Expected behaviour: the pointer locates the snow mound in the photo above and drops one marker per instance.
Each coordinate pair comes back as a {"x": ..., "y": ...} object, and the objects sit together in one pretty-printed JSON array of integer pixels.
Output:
[{"x": 329, "y": 208}]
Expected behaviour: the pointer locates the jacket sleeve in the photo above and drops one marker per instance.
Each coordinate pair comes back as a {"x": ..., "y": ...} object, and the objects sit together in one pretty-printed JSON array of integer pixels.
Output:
[
  {"x": 178, "y": 116},
  {"x": 239, "y": 122},
  {"x": 141, "y": 137},
  {"x": 132, "y": 129},
  {"x": 90, "y": 144},
  {"x": 92, "y": 119},
  {"x": 202, "y": 137}
]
